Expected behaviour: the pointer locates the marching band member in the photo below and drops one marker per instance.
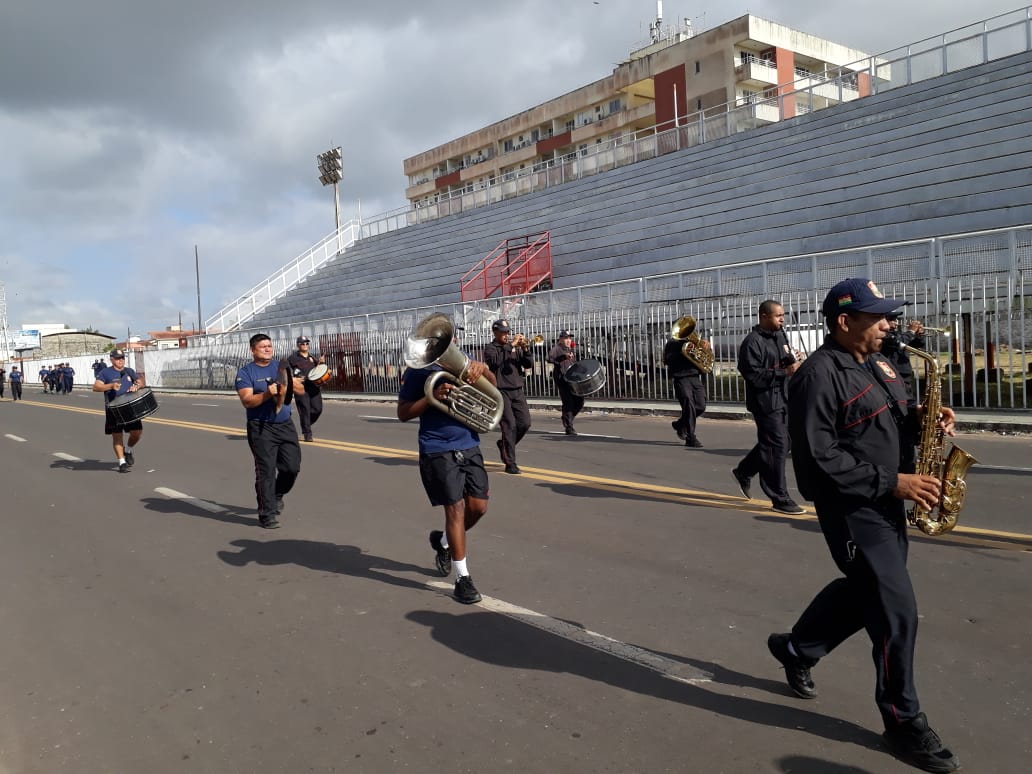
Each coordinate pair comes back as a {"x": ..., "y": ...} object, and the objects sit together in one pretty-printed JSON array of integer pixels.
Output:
[
  {"x": 892, "y": 347},
  {"x": 851, "y": 425},
  {"x": 114, "y": 380},
  {"x": 309, "y": 400},
  {"x": 452, "y": 470},
  {"x": 507, "y": 362},
  {"x": 562, "y": 356},
  {"x": 689, "y": 390}
]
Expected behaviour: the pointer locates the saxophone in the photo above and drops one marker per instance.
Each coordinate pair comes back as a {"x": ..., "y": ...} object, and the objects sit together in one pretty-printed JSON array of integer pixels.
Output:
[{"x": 951, "y": 470}]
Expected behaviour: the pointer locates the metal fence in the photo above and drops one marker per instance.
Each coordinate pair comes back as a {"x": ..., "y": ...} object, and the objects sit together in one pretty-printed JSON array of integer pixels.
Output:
[{"x": 977, "y": 286}]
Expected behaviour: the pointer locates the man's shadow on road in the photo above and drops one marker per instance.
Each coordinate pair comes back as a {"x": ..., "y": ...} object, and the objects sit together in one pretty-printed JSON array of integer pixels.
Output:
[
  {"x": 85, "y": 465},
  {"x": 325, "y": 557},
  {"x": 230, "y": 514},
  {"x": 508, "y": 642}
]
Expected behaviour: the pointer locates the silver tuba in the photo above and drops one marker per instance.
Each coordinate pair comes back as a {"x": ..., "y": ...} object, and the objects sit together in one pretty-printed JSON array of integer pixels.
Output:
[{"x": 479, "y": 405}]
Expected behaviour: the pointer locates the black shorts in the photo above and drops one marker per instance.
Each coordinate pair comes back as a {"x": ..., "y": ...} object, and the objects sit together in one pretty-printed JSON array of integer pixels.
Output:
[
  {"x": 111, "y": 426},
  {"x": 452, "y": 475}
]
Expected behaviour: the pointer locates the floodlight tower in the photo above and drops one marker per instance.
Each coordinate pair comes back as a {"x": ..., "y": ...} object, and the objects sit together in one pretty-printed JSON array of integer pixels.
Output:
[{"x": 331, "y": 170}]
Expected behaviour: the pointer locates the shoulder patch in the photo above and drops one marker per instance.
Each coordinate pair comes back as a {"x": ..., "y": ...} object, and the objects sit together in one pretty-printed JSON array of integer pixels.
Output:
[{"x": 886, "y": 368}]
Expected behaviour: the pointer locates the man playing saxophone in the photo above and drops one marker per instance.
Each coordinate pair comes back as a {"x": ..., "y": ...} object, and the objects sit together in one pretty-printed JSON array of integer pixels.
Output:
[
  {"x": 853, "y": 431},
  {"x": 451, "y": 467}
]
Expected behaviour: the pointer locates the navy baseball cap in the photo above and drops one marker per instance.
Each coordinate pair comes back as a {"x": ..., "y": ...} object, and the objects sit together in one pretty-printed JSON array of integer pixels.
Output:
[
  {"x": 117, "y": 354},
  {"x": 303, "y": 340},
  {"x": 564, "y": 334},
  {"x": 500, "y": 325},
  {"x": 858, "y": 294}
]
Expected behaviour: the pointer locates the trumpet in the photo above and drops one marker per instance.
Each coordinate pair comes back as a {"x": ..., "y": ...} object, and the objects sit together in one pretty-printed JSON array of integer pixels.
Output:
[
  {"x": 943, "y": 331},
  {"x": 520, "y": 340}
]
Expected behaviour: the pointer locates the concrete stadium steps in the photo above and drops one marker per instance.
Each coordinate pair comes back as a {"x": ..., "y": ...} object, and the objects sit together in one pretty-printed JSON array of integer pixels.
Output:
[{"x": 937, "y": 157}]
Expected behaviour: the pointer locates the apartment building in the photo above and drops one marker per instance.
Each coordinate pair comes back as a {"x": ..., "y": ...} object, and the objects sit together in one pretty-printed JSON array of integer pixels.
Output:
[{"x": 748, "y": 61}]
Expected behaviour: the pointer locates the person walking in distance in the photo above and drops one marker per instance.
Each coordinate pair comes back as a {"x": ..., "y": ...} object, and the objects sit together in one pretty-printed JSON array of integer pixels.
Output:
[
  {"x": 562, "y": 356},
  {"x": 114, "y": 380},
  {"x": 689, "y": 389},
  {"x": 309, "y": 400},
  {"x": 508, "y": 362},
  {"x": 3, "y": 379},
  {"x": 271, "y": 434},
  {"x": 15, "y": 380},
  {"x": 452, "y": 470},
  {"x": 765, "y": 361},
  {"x": 853, "y": 431}
]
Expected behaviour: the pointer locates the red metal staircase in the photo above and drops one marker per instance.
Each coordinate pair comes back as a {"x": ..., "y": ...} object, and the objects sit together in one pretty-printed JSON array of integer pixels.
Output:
[{"x": 517, "y": 266}]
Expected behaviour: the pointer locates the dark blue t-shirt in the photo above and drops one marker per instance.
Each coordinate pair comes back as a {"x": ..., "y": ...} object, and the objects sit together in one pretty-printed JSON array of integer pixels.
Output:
[
  {"x": 438, "y": 432},
  {"x": 110, "y": 375},
  {"x": 256, "y": 377}
]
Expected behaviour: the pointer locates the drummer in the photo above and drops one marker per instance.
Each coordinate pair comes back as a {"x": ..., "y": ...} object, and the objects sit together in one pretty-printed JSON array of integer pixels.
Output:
[
  {"x": 309, "y": 402},
  {"x": 114, "y": 380},
  {"x": 562, "y": 356}
]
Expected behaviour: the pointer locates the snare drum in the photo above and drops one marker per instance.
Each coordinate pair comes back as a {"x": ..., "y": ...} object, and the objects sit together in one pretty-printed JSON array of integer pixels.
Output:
[
  {"x": 319, "y": 374},
  {"x": 585, "y": 377},
  {"x": 132, "y": 406}
]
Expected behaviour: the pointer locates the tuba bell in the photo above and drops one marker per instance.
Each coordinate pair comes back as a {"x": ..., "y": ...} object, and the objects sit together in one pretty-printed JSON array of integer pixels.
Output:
[
  {"x": 694, "y": 348},
  {"x": 479, "y": 405}
]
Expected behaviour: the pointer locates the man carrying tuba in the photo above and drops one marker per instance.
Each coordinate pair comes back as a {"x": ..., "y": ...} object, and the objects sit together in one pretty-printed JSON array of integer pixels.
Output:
[
  {"x": 687, "y": 377},
  {"x": 450, "y": 466}
]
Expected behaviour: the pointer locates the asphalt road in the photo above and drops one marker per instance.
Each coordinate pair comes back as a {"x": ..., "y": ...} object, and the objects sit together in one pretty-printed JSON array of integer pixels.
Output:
[{"x": 149, "y": 625}]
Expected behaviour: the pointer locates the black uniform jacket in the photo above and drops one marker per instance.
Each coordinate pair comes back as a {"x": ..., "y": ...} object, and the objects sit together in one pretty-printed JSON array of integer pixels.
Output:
[
  {"x": 762, "y": 358},
  {"x": 507, "y": 364},
  {"x": 850, "y": 425},
  {"x": 675, "y": 361},
  {"x": 559, "y": 357},
  {"x": 301, "y": 365}
]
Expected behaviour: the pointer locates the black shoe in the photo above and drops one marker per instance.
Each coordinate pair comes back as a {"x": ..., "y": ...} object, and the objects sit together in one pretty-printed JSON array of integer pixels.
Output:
[
  {"x": 443, "y": 559},
  {"x": 269, "y": 522},
  {"x": 693, "y": 443},
  {"x": 279, "y": 505},
  {"x": 466, "y": 592},
  {"x": 681, "y": 432},
  {"x": 788, "y": 506},
  {"x": 129, "y": 458},
  {"x": 915, "y": 743},
  {"x": 743, "y": 483},
  {"x": 308, "y": 437},
  {"x": 797, "y": 670},
  {"x": 513, "y": 469},
  {"x": 571, "y": 431},
  {"x": 123, "y": 467}
]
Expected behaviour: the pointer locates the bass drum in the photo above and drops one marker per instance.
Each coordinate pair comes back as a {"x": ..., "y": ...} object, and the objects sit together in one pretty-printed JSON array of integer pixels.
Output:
[
  {"x": 320, "y": 374},
  {"x": 133, "y": 406},
  {"x": 585, "y": 377}
]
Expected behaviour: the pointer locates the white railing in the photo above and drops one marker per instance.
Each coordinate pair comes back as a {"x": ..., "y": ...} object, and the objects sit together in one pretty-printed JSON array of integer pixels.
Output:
[{"x": 246, "y": 306}]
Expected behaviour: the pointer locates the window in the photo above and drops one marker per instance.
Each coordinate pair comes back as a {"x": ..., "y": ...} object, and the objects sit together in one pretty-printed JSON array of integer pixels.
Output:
[
  {"x": 698, "y": 68},
  {"x": 509, "y": 146},
  {"x": 614, "y": 106},
  {"x": 569, "y": 125},
  {"x": 698, "y": 104}
]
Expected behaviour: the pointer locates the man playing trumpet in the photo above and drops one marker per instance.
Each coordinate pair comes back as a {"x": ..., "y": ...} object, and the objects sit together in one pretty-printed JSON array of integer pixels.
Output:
[{"x": 507, "y": 362}]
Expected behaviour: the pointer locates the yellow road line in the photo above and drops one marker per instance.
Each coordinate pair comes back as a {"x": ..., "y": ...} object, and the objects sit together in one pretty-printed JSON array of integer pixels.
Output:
[{"x": 962, "y": 535}]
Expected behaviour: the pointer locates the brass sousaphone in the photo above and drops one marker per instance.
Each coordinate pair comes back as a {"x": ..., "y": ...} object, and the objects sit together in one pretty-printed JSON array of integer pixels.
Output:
[
  {"x": 694, "y": 348},
  {"x": 479, "y": 405}
]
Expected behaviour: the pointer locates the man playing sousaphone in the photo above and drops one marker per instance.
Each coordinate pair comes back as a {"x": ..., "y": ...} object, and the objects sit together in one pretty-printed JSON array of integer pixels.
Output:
[
  {"x": 309, "y": 400},
  {"x": 451, "y": 467}
]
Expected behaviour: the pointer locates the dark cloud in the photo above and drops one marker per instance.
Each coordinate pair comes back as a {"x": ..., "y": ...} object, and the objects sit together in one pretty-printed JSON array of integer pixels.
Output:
[{"x": 135, "y": 130}]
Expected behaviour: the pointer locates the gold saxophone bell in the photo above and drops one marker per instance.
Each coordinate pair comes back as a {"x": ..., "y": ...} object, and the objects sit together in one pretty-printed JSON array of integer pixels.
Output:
[
  {"x": 479, "y": 405},
  {"x": 695, "y": 348}
]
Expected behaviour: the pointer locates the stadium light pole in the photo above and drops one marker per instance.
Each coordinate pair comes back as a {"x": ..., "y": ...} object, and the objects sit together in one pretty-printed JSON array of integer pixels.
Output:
[{"x": 331, "y": 170}]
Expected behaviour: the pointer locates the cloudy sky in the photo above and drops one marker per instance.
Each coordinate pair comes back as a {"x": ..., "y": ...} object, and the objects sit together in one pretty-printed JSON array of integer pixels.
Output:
[{"x": 133, "y": 130}]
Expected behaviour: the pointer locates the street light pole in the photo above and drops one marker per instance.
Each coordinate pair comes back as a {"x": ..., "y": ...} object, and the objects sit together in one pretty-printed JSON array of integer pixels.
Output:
[{"x": 331, "y": 170}]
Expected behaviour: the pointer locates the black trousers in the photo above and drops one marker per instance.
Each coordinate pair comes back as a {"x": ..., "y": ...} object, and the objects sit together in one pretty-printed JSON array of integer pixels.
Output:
[
  {"x": 572, "y": 404},
  {"x": 277, "y": 461},
  {"x": 515, "y": 423},
  {"x": 16, "y": 388},
  {"x": 309, "y": 409},
  {"x": 869, "y": 545},
  {"x": 769, "y": 454},
  {"x": 691, "y": 394}
]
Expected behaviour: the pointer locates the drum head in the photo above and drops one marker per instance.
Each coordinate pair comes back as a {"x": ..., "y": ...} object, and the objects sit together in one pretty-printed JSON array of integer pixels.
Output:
[{"x": 319, "y": 374}]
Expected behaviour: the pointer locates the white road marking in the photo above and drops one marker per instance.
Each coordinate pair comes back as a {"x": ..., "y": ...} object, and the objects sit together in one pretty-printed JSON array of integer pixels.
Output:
[
  {"x": 68, "y": 457},
  {"x": 1002, "y": 467},
  {"x": 581, "y": 434},
  {"x": 213, "y": 405},
  {"x": 675, "y": 670},
  {"x": 204, "y": 505},
  {"x": 17, "y": 438},
  {"x": 370, "y": 416}
]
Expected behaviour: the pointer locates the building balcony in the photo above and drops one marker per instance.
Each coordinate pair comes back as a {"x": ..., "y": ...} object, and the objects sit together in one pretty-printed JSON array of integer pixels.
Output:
[{"x": 757, "y": 71}]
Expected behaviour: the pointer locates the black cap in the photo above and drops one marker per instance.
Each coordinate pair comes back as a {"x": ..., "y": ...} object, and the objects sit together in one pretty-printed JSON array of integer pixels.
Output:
[
  {"x": 500, "y": 325},
  {"x": 116, "y": 354},
  {"x": 564, "y": 334},
  {"x": 303, "y": 340}
]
